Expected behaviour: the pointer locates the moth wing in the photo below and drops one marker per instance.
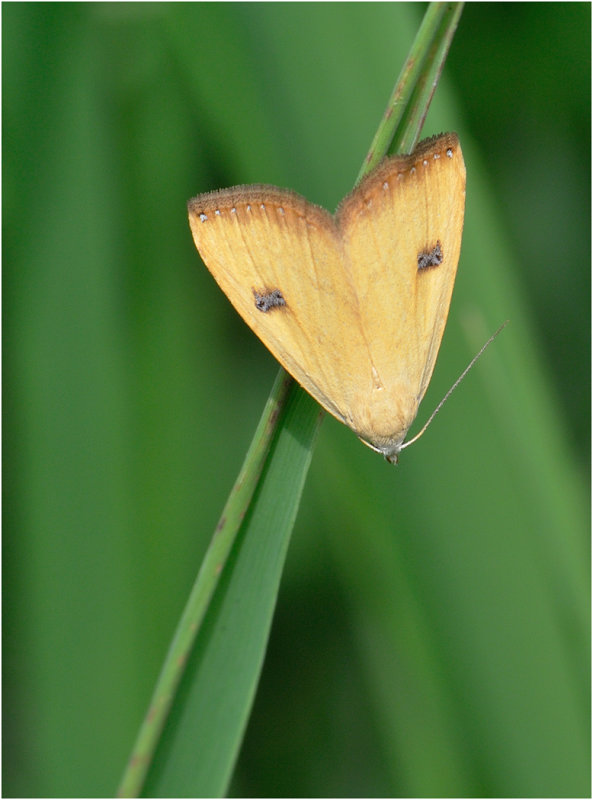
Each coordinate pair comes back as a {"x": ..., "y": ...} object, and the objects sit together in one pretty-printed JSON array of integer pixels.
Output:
[
  {"x": 258, "y": 241},
  {"x": 408, "y": 211}
]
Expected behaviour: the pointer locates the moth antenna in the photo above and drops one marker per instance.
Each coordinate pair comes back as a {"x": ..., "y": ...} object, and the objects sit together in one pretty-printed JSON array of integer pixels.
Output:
[{"x": 455, "y": 385}]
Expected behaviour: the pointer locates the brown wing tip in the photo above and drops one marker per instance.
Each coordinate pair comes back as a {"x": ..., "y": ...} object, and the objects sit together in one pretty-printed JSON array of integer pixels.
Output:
[
  {"x": 255, "y": 198},
  {"x": 443, "y": 145},
  {"x": 436, "y": 143},
  {"x": 240, "y": 195}
]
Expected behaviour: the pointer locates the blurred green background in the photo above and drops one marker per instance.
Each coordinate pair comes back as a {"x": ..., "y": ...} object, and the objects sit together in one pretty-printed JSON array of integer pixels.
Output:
[{"x": 132, "y": 389}]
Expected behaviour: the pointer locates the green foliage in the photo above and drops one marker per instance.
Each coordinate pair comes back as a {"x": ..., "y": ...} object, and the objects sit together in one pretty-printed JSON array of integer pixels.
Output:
[{"x": 432, "y": 632}]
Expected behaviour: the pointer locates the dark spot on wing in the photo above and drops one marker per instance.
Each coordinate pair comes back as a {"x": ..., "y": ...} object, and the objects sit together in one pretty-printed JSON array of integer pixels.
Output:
[
  {"x": 266, "y": 301},
  {"x": 430, "y": 258}
]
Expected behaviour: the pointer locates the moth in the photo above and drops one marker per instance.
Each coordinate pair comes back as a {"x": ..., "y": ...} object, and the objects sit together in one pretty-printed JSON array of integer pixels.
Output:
[{"x": 354, "y": 304}]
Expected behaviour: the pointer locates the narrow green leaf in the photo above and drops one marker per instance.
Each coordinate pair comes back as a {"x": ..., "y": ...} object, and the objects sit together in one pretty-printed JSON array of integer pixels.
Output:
[{"x": 203, "y": 735}]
